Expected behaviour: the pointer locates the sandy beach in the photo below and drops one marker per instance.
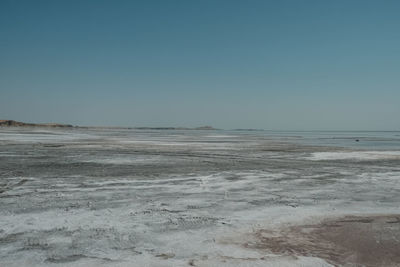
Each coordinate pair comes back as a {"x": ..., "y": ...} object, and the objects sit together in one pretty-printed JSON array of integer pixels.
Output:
[{"x": 345, "y": 241}]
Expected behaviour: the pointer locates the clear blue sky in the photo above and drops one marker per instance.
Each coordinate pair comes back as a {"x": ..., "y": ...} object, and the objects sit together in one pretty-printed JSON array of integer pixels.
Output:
[{"x": 231, "y": 64}]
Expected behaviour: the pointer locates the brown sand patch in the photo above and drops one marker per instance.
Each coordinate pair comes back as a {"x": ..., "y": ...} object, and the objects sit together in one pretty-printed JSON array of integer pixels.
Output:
[{"x": 347, "y": 241}]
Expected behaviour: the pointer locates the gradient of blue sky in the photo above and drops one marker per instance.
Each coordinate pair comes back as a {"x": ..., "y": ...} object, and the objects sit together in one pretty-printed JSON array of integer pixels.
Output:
[{"x": 231, "y": 64}]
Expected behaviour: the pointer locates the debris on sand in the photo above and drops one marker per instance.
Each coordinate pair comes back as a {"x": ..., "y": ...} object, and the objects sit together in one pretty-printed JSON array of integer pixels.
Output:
[
  {"x": 7, "y": 187},
  {"x": 166, "y": 256}
]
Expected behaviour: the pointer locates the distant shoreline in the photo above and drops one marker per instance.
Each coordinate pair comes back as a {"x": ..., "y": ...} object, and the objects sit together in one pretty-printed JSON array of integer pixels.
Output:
[{"x": 12, "y": 123}]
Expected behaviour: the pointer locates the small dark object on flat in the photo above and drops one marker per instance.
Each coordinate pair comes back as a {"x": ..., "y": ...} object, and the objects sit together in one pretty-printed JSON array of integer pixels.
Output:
[{"x": 357, "y": 140}]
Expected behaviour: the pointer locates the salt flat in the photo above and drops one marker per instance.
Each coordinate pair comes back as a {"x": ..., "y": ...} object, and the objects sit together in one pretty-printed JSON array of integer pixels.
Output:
[{"x": 120, "y": 197}]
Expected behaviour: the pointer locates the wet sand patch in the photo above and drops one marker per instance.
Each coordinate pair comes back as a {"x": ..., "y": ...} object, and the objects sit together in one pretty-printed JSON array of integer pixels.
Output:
[{"x": 346, "y": 241}]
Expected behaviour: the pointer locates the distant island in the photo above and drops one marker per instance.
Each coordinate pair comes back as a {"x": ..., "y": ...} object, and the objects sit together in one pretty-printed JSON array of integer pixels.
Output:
[
  {"x": 175, "y": 128},
  {"x": 248, "y": 130},
  {"x": 12, "y": 123}
]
